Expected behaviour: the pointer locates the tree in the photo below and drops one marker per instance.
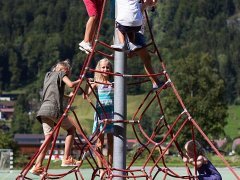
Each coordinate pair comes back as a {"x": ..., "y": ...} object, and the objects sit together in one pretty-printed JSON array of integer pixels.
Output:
[
  {"x": 202, "y": 91},
  {"x": 21, "y": 122},
  {"x": 6, "y": 141}
]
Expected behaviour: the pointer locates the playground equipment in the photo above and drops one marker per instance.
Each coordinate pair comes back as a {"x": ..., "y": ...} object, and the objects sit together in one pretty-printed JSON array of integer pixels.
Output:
[{"x": 154, "y": 146}]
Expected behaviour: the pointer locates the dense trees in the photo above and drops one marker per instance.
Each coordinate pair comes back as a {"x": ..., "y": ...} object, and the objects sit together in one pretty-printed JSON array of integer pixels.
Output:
[
  {"x": 34, "y": 35},
  {"x": 202, "y": 26},
  {"x": 202, "y": 89}
]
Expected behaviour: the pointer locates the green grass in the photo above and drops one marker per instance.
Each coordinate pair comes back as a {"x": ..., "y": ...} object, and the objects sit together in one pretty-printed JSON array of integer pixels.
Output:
[
  {"x": 85, "y": 114},
  {"x": 232, "y": 129}
]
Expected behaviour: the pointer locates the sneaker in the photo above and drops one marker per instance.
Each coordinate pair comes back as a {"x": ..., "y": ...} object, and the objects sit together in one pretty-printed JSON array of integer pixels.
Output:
[
  {"x": 86, "y": 47},
  {"x": 133, "y": 47},
  {"x": 87, "y": 52},
  {"x": 70, "y": 162},
  {"x": 118, "y": 47},
  {"x": 37, "y": 170}
]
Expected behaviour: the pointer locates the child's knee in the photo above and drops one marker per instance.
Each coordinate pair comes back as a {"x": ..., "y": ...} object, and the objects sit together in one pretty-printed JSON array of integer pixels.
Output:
[{"x": 94, "y": 18}]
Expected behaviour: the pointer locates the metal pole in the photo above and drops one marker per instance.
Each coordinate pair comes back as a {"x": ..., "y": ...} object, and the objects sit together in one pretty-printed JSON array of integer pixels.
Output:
[
  {"x": 120, "y": 99},
  {"x": 119, "y": 153}
]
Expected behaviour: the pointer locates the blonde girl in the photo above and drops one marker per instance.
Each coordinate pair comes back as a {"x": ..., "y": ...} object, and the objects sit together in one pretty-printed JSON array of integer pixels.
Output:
[
  {"x": 103, "y": 86},
  {"x": 52, "y": 109}
]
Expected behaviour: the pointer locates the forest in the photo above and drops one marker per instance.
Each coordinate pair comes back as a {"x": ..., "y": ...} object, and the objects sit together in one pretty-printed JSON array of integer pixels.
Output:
[{"x": 198, "y": 41}]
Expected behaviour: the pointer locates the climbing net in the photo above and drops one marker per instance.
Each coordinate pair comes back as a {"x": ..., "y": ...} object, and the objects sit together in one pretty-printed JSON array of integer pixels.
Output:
[{"x": 152, "y": 147}]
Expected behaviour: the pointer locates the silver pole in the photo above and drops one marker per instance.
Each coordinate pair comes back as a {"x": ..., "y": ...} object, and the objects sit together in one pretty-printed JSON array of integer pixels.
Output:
[
  {"x": 120, "y": 99},
  {"x": 120, "y": 102}
]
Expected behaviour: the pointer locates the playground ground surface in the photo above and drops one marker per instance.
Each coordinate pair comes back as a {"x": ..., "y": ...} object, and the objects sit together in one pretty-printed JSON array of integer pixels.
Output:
[{"x": 225, "y": 172}]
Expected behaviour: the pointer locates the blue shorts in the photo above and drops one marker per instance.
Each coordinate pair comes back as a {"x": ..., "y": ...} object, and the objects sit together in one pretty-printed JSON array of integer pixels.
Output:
[{"x": 140, "y": 39}]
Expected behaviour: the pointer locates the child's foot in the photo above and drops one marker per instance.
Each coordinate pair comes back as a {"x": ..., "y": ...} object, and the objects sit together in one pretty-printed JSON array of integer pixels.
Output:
[
  {"x": 70, "y": 162},
  {"x": 86, "y": 47},
  {"x": 87, "y": 52},
  {"x": 133, "y": 47},
  {"x": 102, "y": 175},
  {"x": 118, "y": 47},
  {"x": 37, "y": 170}
]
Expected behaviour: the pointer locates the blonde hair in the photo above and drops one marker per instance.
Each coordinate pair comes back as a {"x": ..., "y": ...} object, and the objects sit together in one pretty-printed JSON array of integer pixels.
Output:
[
  {"x": 62, "y": 65},
  {"x": 98, "y": 75},
  {"x": 190, "y": 145}
]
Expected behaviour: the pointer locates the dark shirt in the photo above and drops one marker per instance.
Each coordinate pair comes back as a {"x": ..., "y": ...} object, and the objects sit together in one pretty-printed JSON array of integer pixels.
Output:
[{"x": 208, "y": 172}]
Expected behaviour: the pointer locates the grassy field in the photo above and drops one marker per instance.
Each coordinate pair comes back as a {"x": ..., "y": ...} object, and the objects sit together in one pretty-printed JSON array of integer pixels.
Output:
[
  {"x": 85, "y": 113},
  {"x": 233, "y": 127}
]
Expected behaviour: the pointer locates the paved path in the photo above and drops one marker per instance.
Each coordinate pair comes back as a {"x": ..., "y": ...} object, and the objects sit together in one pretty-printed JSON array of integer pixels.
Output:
[{"x": 225, "y": 172}]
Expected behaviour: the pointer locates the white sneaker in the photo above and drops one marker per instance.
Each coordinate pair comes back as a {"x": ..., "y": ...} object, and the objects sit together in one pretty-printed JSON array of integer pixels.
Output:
[
  {"x": 86, "y": 47},
  {"x": 118, "y": 47},
  {"x": 87, "y": 52},
  {"x": 133, "y": 47}
]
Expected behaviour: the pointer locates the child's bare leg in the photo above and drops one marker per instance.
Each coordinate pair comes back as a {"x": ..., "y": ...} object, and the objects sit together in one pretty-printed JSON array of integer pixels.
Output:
[
  {"x": 69, "y": 142},
  {"x": 146, "y": 58},
  {"x": 110, "y": 149},
  {"x": 99, "y": 147},
  {"x": 90, "y": 28},
  {"x": 42, "y": 154},
  {"x": 120, "y": 37}
]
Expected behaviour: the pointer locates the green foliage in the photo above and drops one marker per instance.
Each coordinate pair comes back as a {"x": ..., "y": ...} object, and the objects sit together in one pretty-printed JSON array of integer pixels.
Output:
[
  {"x": 193, "y": 78},
  {"x": 6, "y": 141},
  {"x": 201, "y": 26},
  {"x": 35, "y": 34},
  {"x": 233, "y": 128},
  {"x": 20, "y": 161},
  {"x": 21, "y": 120},
  {"x": 237, "y": 150}
]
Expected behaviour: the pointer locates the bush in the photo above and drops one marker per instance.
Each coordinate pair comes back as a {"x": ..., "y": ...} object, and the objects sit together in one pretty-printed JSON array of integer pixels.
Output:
[
  {"x": 237, "y": 101},
  {"x": 237, "y": 150}
]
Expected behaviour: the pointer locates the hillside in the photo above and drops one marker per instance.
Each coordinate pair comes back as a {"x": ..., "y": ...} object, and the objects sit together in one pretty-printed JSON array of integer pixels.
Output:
[
  {"x": 35, "y": 34},
  {"x": 85, "y": 113}
]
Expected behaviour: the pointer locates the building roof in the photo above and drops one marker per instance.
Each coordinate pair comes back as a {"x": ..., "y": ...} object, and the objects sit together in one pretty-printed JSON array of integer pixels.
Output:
[
  {"x": 11, "y": 96},
  {"x": 7, "y": 103},
  {"x": 7, "y": 110},
  {"x": 32, "y": 139}
]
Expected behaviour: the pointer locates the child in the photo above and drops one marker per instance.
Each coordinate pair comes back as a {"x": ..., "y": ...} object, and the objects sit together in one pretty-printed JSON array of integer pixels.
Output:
[
  {"x": 104, "y": 88},
  {"x": 204, "y": 167},
  {"x": 143, "y": 52},
  {"x": 51, "y": 110},
  {"x": 128, "y": 22},
  {"x": 94, "y": 9}
]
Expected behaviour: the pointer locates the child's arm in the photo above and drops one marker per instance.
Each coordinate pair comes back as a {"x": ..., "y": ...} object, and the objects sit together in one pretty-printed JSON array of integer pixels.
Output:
[
  {"x": 88, "y": 90},
  {"x": 148, "y": 3},
  {"x": 200, "y": 160},
  {"x": 70, "y": 83},
  {"x": 68, "y": 95},
  {"x": 185, "y": 159}
]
